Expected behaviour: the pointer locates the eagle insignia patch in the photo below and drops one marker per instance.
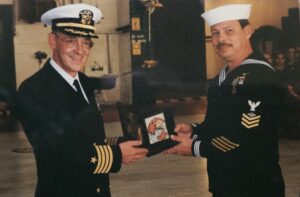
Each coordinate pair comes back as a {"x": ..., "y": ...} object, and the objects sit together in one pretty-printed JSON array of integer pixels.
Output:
[{"x": 251, "y": 120}]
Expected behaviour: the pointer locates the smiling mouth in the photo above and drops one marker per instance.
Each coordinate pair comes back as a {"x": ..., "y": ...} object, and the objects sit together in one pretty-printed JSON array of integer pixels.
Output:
[
  {"x": 223, "y": 46},
  {"x": 76, "y": 59}
]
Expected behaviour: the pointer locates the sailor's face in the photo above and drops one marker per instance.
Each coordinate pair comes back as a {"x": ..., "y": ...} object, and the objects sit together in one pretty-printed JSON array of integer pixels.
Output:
[
  {"x": 69, "y": 52},
  {"x": 229, "y": 38}
]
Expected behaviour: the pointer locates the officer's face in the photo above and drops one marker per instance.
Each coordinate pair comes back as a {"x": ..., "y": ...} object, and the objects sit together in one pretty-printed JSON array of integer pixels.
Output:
[
  {"x": 230, "y": 40},
  {"x": 69, "y": 52}
]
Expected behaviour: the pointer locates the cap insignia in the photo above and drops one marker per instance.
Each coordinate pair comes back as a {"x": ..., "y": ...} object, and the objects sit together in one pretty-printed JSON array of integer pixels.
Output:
[{"x": 86, "y": 17}]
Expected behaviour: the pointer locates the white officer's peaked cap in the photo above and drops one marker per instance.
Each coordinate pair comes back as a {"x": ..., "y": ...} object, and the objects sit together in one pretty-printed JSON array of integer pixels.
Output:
[
  {"x": 73, "y": 19},
  {"x": 227, "y": 13}
]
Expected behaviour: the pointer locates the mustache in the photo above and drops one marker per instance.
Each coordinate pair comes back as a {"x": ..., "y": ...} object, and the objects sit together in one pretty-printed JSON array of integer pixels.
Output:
[{"x": 221, "y": 44}]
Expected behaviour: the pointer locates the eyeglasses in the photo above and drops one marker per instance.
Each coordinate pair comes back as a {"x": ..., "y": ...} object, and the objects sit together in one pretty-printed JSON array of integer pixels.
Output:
[{"x": 72, "y": 42}]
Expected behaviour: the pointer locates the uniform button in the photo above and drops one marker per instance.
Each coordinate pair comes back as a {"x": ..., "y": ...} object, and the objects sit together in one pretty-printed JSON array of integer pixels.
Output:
[{"x": 98, "y": 190}]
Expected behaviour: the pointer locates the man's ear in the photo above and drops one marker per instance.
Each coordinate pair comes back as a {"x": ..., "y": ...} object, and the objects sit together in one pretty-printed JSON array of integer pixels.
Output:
[
  {"x": 248, "y": 31},
  {"x": 51, "y": 41}
]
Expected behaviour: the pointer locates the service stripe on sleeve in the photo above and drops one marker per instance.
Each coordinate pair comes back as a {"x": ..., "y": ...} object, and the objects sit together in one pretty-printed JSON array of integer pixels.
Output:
[
  {"x": 224, "y": 144},
  {"x": 218, "y": 147},
  {"x": 230, "y": 142},
  {"x": 220, "y": 144}
]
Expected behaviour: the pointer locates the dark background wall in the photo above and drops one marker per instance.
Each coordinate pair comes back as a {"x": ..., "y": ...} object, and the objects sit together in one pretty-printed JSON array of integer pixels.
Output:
[
  {"x": 178, "y": 45},
  {"x": 7, "y": 66}
]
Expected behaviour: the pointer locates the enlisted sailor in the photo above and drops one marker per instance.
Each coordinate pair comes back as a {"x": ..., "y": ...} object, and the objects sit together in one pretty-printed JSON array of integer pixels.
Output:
[
  {"x": 239, "y": 134},
  {"x": 58, "y": 112}
]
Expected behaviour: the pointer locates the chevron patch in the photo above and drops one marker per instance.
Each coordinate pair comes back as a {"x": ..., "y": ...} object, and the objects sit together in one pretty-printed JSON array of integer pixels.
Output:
[
  {"x": 250, "y": 120},
  {"x": 224, "y": 144}
]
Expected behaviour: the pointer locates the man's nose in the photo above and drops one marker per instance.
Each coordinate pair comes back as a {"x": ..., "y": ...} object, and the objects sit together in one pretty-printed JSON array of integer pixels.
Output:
[
  {"x": 222, "y": 37},
  {"x": 79, "y": 46}
]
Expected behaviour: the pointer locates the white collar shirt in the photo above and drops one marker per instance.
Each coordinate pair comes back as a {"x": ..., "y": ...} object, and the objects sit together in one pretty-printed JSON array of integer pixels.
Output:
[{"x": 70, "y": 80}]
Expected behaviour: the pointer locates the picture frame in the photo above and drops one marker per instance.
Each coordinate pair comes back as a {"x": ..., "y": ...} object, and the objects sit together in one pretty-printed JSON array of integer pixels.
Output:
[{"x": 152, "y": 125}]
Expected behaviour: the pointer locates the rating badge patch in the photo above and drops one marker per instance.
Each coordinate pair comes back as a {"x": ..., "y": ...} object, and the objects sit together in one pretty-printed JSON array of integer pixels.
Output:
[{"x": 251, "y": 119}]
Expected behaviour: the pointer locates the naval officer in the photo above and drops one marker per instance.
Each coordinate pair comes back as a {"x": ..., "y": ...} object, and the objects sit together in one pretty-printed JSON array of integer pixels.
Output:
[{"x": 58, "y": 112}]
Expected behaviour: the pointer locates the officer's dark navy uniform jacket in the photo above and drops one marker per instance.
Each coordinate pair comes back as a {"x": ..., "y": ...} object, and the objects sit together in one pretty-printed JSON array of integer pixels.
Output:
[
  {"x": 239, "y": 134},
  {"x": 67, "y": 136}
]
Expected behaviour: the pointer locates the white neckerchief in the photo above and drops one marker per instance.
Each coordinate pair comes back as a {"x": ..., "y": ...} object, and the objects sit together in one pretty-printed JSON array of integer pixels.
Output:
[
  {"x": 223, "y": 73},
  {"x": 70, "y": 80}
]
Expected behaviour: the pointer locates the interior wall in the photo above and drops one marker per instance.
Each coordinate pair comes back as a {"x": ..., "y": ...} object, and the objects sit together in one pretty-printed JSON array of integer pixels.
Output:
[
  {"x": 267, "y": 12},
  {"x": 124, "y": 52},
  {"x": 6, "y": 1}
]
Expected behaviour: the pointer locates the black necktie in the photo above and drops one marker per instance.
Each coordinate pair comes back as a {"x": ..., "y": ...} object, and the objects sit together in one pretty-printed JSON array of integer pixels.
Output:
[{"x": 79, "y": 92}]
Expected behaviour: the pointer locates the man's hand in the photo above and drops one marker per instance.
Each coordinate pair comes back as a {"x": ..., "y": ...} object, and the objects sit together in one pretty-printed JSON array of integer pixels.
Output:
[
  {"x": 183, "y": 148},
  {"x": 131, "y": 153},
  {"x": 184, "y": 130}
]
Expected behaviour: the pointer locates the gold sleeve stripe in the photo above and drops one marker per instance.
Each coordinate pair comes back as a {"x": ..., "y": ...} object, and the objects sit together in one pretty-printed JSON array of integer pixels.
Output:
[
  {"x": 224, "y": 143},
  {"x": 112, "y": 140},
  {"x": 115, "y": 140},
  {"x": 107, "y": 159},
  {"x": 218, "y": 147},
  {"x": 229, "y": 142},
  {"x": 250, "y": 122},
  {"x": 103, "y": 159},
  {"x": 109, "y": 140},
  {"x": 220, "y": 144},
  {"x": 75, "y": 25},
  {"x": 99, "y": 159},
  {"x": 110, "y": 162}
]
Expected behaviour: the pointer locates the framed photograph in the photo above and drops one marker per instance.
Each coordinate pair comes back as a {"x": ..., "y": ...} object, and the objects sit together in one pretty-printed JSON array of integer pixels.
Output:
[
  {"x": 130, "y": 122},
  {"x": 151, "y": 125}
]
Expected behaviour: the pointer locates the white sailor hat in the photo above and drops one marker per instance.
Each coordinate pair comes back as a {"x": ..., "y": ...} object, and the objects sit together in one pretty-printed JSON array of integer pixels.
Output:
[
  {"x": 227, "y": 13},
  {"x": 73, "y": 19}
]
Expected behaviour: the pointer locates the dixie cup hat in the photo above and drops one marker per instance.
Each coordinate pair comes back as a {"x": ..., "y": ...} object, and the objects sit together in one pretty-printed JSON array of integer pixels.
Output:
[{"x": 227, "y": 13}]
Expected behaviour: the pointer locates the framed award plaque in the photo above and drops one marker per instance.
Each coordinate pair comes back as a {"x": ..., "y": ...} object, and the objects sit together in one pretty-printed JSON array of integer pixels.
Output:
[{"x": 152, "y": 125}]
